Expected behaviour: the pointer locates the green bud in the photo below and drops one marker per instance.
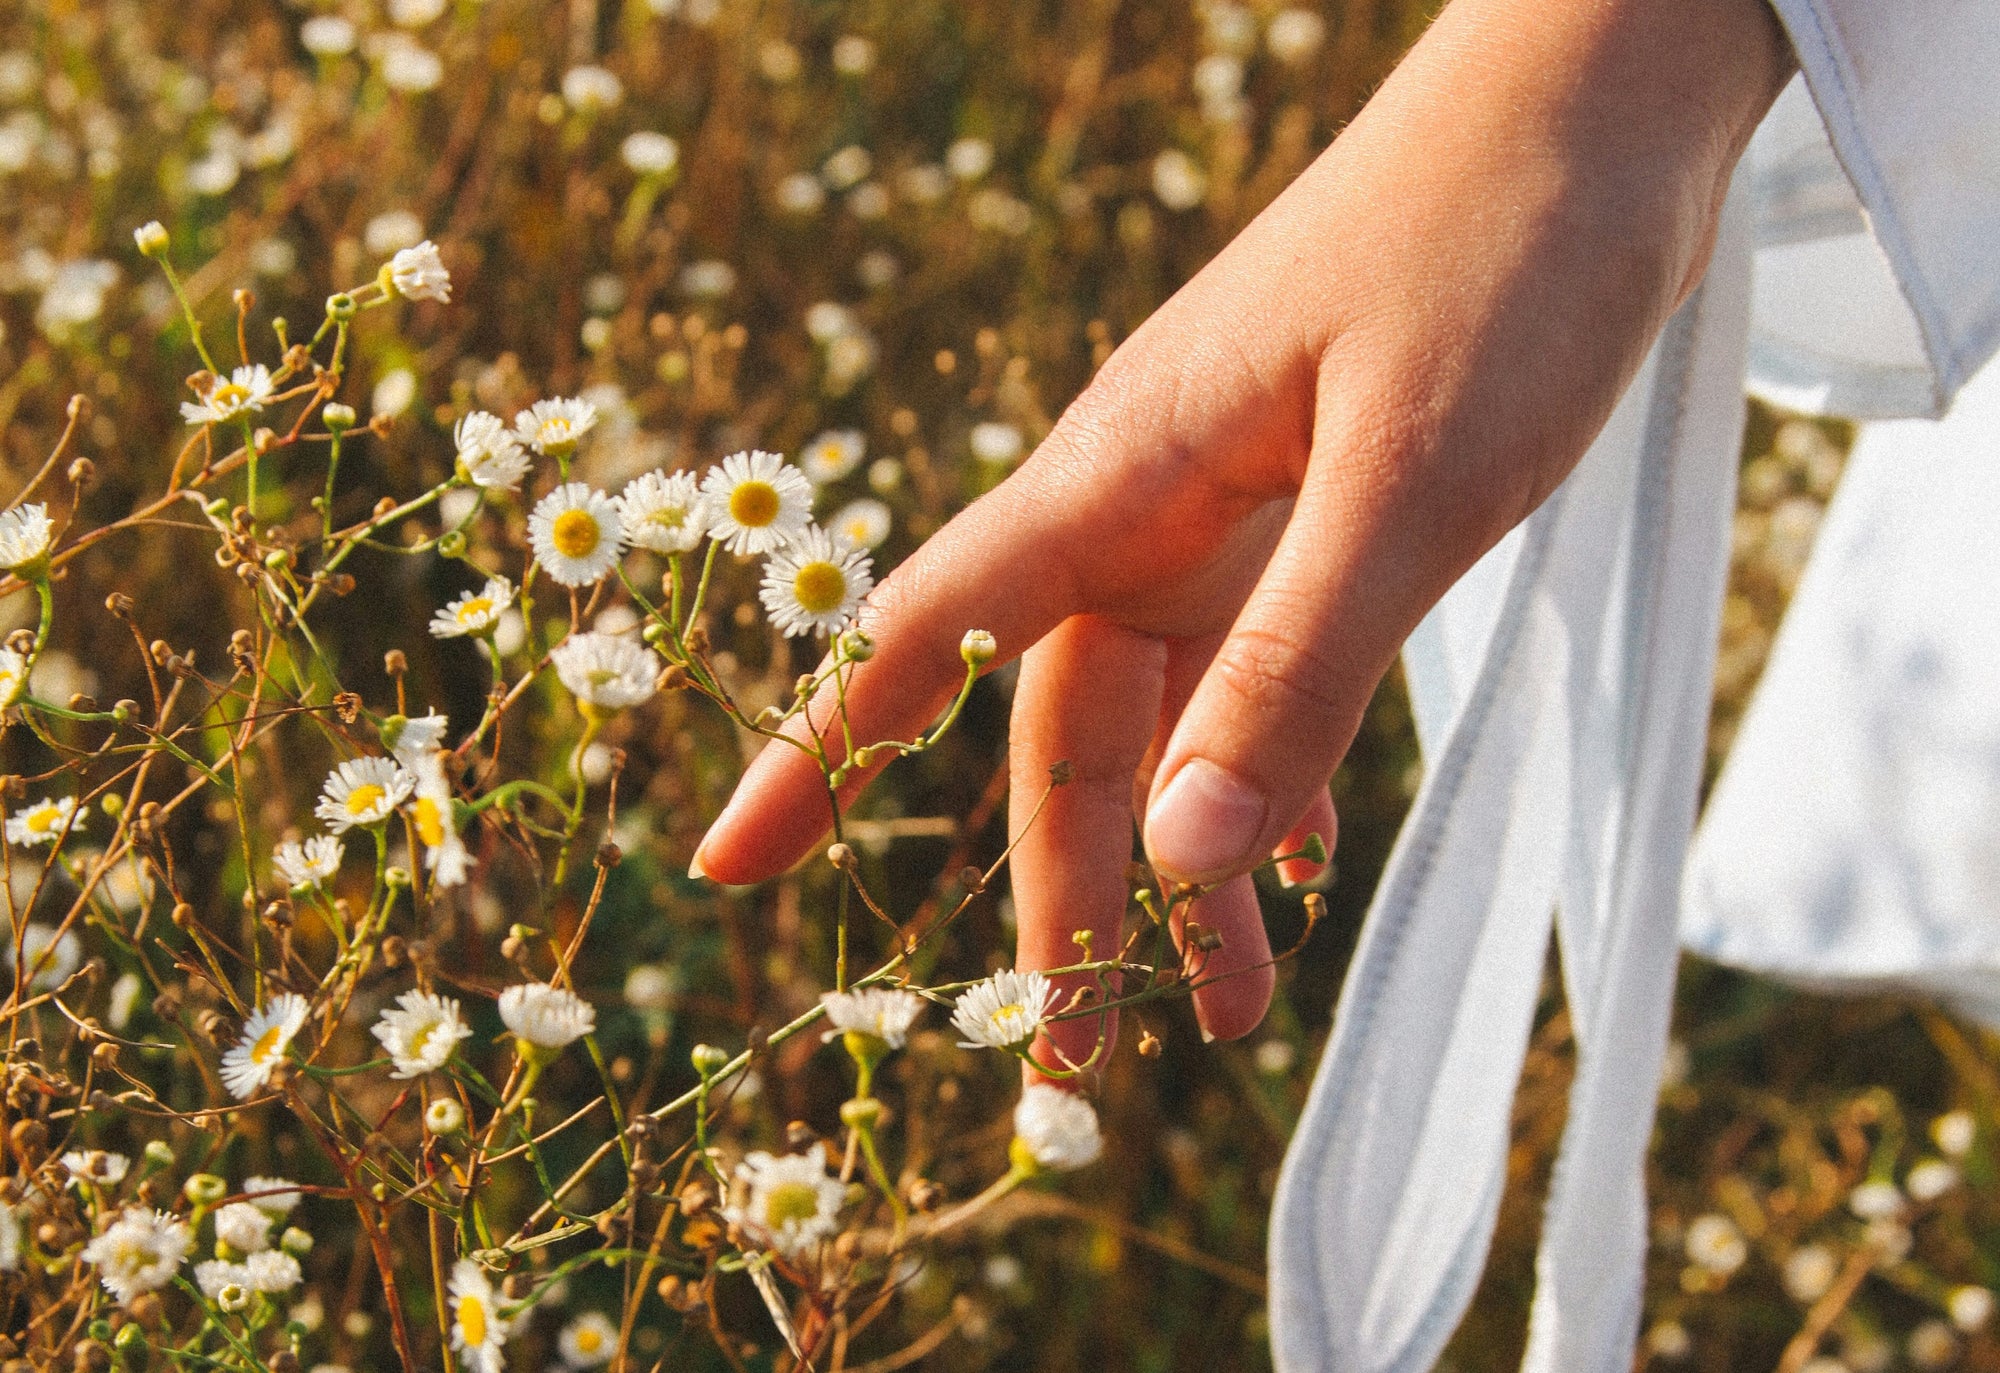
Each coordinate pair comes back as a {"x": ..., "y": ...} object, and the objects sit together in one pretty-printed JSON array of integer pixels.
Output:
[
  {"x": 708, "y": 1060},
  {"x": 862, "y": 1113},
  {"x": 100, "y": 1331},
  {"x": 340, "y": 307},
  {"x": 396, "y": 878},
  {"x": 217, "y": 509},
  {"x": 338, "y": 417},
  {"x": 295, "y": 1242},
  {"x": 653, "y": 633},
  {"x": 113, "y": 805},
  {"x": 159, "y": 1154},
  {"x": 856, "y": 646},
  {"x": 278, "y": 558},
  {"x": 205, "y": 1189},
  {"x": 977, "y": 648},
  {"x": 152, "y": 238},
  {"x": 131, "y": 1338},
  {"x": 452, "y": 544}
]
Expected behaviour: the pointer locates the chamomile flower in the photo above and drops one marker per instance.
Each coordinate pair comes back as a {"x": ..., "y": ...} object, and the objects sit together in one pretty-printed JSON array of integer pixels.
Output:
[
  {"x": 1055, "y": 1129},
  {"x": 46, "y": 821},
  {"x": 589, "y": 1340},
  {"x": 489, "y": 456},
  {"x": 544, "y": 1016},
  {"x": 444, "y": 1116},
  {"x": 273, "y": 1196},
  {"x": 605, "y": 671},
  {"x": 663, "y": 513},
  {"x": 864, "y": 523},
  {"x": 756, "y": 502},
  {"x": 576, "y": 534},
  {"x": 1005, "y": 1011},
  {"x": 414, "y": 738},
  {"x": 474, "y": 613},
  {"x": 273, "y": 1271},
  {"x": 814, "y": 584},
  {"x": 138, "y": 1252},
  {"x": 26, "y": 532},
  {"x": 1714, "y": 1243},
  {"x": 477, "y": 1330},
  {"x": 246, "y": 392},
  {"x": 13, "y": 676},
  {"x": 445, "y": 854},
  {"x": 833, "y": 455},
  {"x": 790, "y": 1204},
  {"x": 216, "y": 1276},
  {"x": 267, "y": 1034},
  {"x": 311, "y": 863},
  {"x": 51, "y": 959},
  {"x": 98, "y": 1167},
  {"x": 364, "y": 792},
  {"x": 421, "y": 1033},
  {"x": 243, "y": 1227},
  {"x": 884, "y": 1013},
  {"x": 418, "y": 273},
  {"x": 553, "y": 427}
]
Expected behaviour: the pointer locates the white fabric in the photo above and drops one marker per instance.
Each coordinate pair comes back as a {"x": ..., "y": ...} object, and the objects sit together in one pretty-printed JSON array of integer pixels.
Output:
[{"x": 1561, "y": 696}]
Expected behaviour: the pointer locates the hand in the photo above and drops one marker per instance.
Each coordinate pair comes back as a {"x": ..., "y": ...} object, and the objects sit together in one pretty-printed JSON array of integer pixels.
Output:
[{"x": 1214, "y": 557}]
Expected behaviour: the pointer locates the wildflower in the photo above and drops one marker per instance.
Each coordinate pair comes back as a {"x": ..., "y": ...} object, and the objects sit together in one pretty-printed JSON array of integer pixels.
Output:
[
  {"x": 708, "y": 279},
  {"x": 418, "y": 273},
  {"x": 1295, "y": 35},
  {"x": 477, "y": 1331},
  {"x": 26, "y": 532},
  {"x": 46, "y": 821},
  {"x": 882, "y": 1014},
  {"x": 791, "y": 1204},
  {"x": 243, "y": 1227},
  {"x": 474, "y": 613},
  {"x": 98, "y": 1167},
  {"x": 10, "y": 1237},
  {"x": 412, "y": 739},
  {"x": 847, "y": 167},
  {"x": 444, "y": 1116},
  {"x": 853, "y": 55},
  {"x": 245, "y": 393},
  {"x": 589, "y": 1340},
  {"x": 757, "y": 503},
  {"x": 801, "y": 194},
  {"x": 138, "y": 1252},
  {"x": 421, "y": 1033},
  {"x": 1005, "y": 1011},
  {"x": 969, "y": 158},
  {"x": 445, "y": 855},
  {"x": 591, "y": 87},
  {"x": 1953, "y": 1131},
  {"x": 273, "y": 1196},
  {"x": 576, "y": 534},
  {"x": 215, "y": 1276},
  {"x": 544, "y": 1016},
  {"x": 864, "y": 523},
  {"x": 1177, "y": 181},
  {"x": 833, "y": 455},
  {"x": 650, "y": 987},
  {"x": 995, "y": 442},
  {"x": 395, "y": 392},
  {"x": 663, "y": 513},
  {"x": 1714, "y": 1243},
  {"x": 51, "y": 959},
  {"x": 815, "y": 584},
  {"x": 309, "y": 864},
  {"x": 606, "y": 672},
  {"x": 1809, "y": 1272},
  {"x": 489, "y": 454},
  {"x": 649, "y": 153},
  {"x": 273, "y": 1271},
  {"x": 1970, "y": 1308},
  {"x": 1930, "y": 1180},
  {"x": 414, "y": 14},
  {"x": 552, "y": 427},
  {"x": 1055, "y": 1129},
  {"x": 13, "y": 676},
  {"x": 978, "y": 647},
  {"x": 409, "y": 66},
  {"x": 267, "y": 1034},
  {"x": 1876, "y": 1200},
  {"x": 363, "y": 791}
]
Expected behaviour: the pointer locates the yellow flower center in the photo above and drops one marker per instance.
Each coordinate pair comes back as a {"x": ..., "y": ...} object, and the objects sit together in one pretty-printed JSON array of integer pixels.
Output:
[
  {"x": 788, "y": 1201},
  {"x": 820, "y": 587},
  {"x": 430, "y": 821},
  {"x": 589, "y": 1341},
  {"x": 43, "y": 819},
  {"x": 472, "y": 1320},
  {"x": 753, "y": 504},
  {"x": 364, "y": 799},
  {"x": 475, "y": 611},
  {"x": 669, "y": 517},
  {"x": 229, "y": 395},
  {"x": 555, "y": 430},
  {"x": 268, "y": 1045},
  {"x": 575, "y": 533},
  {"x": 422, "y": 1038}
]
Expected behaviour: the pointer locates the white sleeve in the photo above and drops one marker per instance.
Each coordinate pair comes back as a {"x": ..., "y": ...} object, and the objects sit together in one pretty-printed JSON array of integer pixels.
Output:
[{"x": 1878, "y": 272}]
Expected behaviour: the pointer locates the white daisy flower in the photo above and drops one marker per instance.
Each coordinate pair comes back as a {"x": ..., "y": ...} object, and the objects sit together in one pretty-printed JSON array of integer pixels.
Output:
[
  {"x": 1931, "y": 1179},
  {"x": 664, "y": 513},
  {"x": 414, "y": 738},
  {"x": 243, "y": 1227},
  {"x": 273, "y": 1271},
  {"x": 309, "y": 864},
  {"x": 995, "y": 442},
  {"x": 885, "y": 1013},
  {"x": 1809, "y": 1271},
  {"x": 444, "y": 1116},
  {"x": 267, "y": 1034},
  {"x": 605, "y": 671},
  {"x": 214, "y": 1276},
  {"x": 418, "y": 273},
  {"x": 833, "y": 455},
  {"x": 98, "y": 1167},
  {"x": 1714, "y": 1243},
  {"x": 1005, "y": 1011},
  {"x": 445, "y": 854},
  {"x": 552, "y": 427},
  {"x": 489, "y": 456},
  {"x": 477, "y": 1331},
  {"x": 245, "y": 393},
  {"x": 589, "y": 1340},
  {"x": 544, "y": 1016},
  {"x": 814, "y": 585},
  {"x": 789, "y": 1204},
  {"x": 1056, "y": 1129},
  {"x": 756, "y": 503},
  {"x": 649, "y": 153},
  {"x": 1878, "y": 1199},
  {"x": 26, "y": 532},
  {"x": 592, "y": 87},
  {"x": 50, "y": 960},
  {"x": 864, "y": 523},
  {"x": 475, "y": 613},
  {"x": 273, "y": 1196},
  {"x": 576, "y": 534},
  {"x": 363, "y": 791},
  {"x": 421, "y": 1033},
  {"x": 138, "y": 1252},
  {"x": 13, "y": 676},
  {"x": 46, "y": 821}
]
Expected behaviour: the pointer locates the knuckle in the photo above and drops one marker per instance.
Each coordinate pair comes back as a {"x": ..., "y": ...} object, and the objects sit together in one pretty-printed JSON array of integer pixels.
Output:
[{"x": 1275, "y": 677}]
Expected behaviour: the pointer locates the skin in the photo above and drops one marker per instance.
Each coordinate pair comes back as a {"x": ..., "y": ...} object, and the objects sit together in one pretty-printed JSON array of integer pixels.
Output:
[{"x": 1212, "y": 560}]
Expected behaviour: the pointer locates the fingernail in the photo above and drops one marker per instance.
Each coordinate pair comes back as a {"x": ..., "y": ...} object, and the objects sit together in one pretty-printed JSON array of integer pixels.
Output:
[
  {"x": 695, "y": 869},
  {"x": 1205, "y": 824}
]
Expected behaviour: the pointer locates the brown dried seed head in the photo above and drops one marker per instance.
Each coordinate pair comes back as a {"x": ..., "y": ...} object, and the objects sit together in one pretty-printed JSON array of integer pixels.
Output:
[{"x": 395, "y": 662}]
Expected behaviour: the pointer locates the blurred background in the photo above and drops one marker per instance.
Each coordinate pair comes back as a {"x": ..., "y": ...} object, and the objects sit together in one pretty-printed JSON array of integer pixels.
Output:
[{"x": 918, "y": 227}]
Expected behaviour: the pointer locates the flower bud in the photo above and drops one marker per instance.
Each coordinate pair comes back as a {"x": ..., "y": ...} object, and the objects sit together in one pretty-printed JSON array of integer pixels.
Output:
[
  {"x": 297, "y": 1242},
  {"x": 340, "y": 307},
  {"x": 861, "y": 1113},
  {"x": 205, "y": 1189},
  {"x": 977, "y": 648},
  {"x": 451, "y": 544},
  {"x": 856, "y": 646},
  {"x": 159, "y": 1154},
  {"x": 233, "y": 1297},
  {"x": 708, "y": 1060},
  {"x": 395, "y": 878},
  {"x": 152, "y": 238},
  {"x": 338, "y": 417},
  {"x": 444, "y": 1116}
]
